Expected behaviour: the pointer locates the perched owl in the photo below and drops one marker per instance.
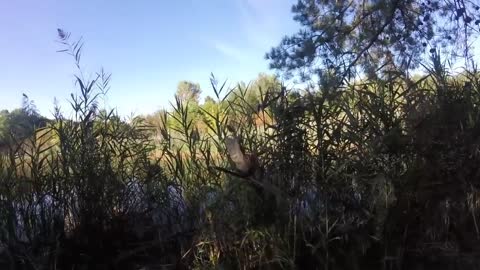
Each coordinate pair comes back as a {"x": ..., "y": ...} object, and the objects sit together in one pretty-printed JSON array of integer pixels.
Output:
[{"x": 246, "y": 164}]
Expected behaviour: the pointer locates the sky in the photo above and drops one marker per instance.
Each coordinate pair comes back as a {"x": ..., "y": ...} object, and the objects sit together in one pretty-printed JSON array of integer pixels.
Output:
[{"x": 147, "y": 46}]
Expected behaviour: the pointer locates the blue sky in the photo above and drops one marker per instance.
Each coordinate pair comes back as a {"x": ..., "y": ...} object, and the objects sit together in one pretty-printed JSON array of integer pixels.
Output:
[{"x": 148, "y": 46}]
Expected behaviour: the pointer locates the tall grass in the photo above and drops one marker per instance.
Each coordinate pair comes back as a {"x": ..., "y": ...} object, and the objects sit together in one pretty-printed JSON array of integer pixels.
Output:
[{"x": 380, "y": 174}]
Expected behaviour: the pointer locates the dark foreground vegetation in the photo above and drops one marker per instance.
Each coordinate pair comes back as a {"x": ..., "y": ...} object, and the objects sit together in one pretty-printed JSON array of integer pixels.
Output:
[{"x": 379, "y": 172}]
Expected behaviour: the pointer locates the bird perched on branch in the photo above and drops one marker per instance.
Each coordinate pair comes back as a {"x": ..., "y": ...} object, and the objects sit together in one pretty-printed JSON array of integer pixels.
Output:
[{"x": 247, "y": 165}]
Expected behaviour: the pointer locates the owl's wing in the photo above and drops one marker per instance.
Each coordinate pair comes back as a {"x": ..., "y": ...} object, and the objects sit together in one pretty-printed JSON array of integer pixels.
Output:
[{"x": 236, "y": 155}]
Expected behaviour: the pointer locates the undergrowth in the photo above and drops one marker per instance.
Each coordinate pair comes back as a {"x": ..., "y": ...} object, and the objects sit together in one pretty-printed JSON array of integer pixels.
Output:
[{"x": 378, "y": 174}]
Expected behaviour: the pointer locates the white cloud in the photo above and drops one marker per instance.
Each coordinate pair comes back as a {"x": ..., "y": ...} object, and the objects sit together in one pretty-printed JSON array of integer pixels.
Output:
[
  {"x": 229, "y": 51},
  {"x": 262, "y": 25}
]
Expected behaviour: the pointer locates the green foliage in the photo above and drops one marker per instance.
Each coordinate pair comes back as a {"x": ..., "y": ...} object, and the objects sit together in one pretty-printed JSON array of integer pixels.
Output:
[
  {"x": 347, "y": 175},
  {"x": 338, "y": 36},
  {"x": 381, "y": 173},
  {"x": 72, "y": 191},
  {"x": 346, "y": 179},
  {"x": 188, "y": 91},
  {"x": 19, "y": 124}
]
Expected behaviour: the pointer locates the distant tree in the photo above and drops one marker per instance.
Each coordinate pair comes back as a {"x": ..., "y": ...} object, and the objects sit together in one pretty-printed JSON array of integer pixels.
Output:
[
  {"x": 256, "y": 90},
  {"x": 265, "y": 83},
  {"x": 209, "y": 100},
  {"x": 189, "y": 91},
  {"x": 337, "y": 36},
  {"x": 20, "y": 123},
  {"x": 3, "y": 126},
  {"x": 157, "y": 121},
  {"x": 28, "y": 106},
  {"x": 209, "y": 104}
]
